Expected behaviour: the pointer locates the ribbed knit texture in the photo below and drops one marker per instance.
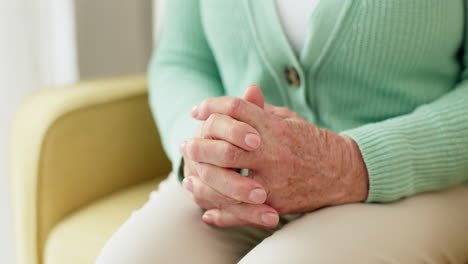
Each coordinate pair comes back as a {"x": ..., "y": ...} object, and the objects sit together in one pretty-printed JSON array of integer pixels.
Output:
[{"x": 389, "y": 74}]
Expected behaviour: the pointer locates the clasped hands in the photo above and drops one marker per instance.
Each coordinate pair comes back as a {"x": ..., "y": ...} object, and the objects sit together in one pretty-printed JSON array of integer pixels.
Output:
[{"x": 294, "y": 166}]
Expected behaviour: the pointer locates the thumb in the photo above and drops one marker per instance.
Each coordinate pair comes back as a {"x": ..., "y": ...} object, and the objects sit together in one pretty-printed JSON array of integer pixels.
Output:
[{"x": 254, "y": 95}]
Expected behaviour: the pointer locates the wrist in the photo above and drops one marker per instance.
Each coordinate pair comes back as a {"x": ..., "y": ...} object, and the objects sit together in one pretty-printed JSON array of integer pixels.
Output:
[{"x": 355, "y": 171}]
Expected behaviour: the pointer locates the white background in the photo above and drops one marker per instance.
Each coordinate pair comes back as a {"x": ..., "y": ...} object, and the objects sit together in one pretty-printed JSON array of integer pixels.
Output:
[{"x": 29, "y": 34}]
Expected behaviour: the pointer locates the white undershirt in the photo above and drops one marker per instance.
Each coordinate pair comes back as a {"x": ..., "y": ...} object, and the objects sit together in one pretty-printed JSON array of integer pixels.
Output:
[{"x": 294, "y": 16}]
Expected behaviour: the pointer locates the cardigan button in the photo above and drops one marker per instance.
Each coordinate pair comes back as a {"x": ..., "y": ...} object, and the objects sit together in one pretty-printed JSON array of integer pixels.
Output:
[{"x": 292, "y": 76}]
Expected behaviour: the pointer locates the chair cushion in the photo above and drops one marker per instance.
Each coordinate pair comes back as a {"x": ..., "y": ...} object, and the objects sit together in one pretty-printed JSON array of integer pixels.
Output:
[{"x": 79, "y": 237}]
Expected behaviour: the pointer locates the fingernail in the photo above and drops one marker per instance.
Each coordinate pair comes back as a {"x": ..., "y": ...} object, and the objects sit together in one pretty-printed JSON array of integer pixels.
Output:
[
  {"x": 182, "y": 147},
  {"x": 188, "y": 184},
  {"x": 258, "y": 196},
  {"x": 208, "y": 217},
  {"x": 252, "y": 140},
  {"x": 270, "y": 219},
  {"x": 195, "y": 111}
]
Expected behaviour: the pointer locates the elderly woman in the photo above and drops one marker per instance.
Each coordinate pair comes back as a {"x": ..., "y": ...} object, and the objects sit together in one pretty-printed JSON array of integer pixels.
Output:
[{"x": 360, "y": 110}]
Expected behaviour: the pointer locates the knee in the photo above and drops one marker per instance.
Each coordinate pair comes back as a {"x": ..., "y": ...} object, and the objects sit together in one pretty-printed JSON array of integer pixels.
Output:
[
  {"x": 310, "y": 255},
  {"x": 129, "y": 246},
  {"x": 115, "y": 255},
  {"x": 312, "y": 250},
  {"x": 111, "y": 255},
  {"x": 105, "y": 257}
]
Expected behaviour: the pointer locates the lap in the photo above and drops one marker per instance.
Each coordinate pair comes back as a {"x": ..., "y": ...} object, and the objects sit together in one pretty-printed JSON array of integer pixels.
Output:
[
  {"x": 428, "y": 228},
  {"x": 168, "y": 229}
]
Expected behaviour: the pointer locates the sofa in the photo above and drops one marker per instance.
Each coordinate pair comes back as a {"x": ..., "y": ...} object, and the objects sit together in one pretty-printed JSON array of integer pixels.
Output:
[{"x": 82, "y": 159}]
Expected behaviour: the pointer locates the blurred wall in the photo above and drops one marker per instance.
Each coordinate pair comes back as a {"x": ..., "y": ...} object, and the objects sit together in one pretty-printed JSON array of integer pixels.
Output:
[{"x": 114, "y": 37}]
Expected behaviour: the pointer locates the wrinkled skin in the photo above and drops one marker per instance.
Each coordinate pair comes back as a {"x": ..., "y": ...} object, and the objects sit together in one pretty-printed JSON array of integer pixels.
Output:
[{"x": 300, "y": 166}]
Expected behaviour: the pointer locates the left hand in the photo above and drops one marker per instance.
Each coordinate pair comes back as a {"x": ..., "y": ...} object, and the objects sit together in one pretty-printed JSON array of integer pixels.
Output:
[{"x": 302, "y": 167}]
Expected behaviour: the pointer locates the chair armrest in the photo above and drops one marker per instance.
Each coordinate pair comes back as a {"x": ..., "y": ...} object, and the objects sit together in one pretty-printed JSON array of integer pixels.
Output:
[{"x": 73, "y": 145}]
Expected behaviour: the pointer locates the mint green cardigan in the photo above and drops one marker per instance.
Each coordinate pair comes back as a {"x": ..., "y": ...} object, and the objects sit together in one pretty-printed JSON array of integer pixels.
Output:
[{"x": 389, "y": 74}]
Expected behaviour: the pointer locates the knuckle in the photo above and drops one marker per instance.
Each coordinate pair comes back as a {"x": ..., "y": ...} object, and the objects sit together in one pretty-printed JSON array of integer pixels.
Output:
[
  {"x": 188, "y": 167},
  {"x": 281, "y": 209},
  {"x": 231, "y": 155},
  {"x": 208, "y": 101},
  {"x": 198, "y": 196},
  {"x": 210, "y": 123},
  {"x": 219, "y": 220},
  {"x": 202, "y": 190},
  {"x": 193, "y": 150},
  {"x": 284, "y": 110},
  {"x": 207, "y": 174},
  {"x": 200, "y": 202},
  {"x": 233, "y": 106},
  {"x": 204, "y": 196},
  {"x": 204, "y": 106},
  {"x": 278, "y": 203}
]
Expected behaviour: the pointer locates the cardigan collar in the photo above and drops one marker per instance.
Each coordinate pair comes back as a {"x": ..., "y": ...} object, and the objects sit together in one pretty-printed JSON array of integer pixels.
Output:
[{"x": 271, "y": 39}]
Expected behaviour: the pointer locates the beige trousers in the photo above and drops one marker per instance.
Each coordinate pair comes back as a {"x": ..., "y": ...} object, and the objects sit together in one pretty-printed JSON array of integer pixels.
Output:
[{"x": 428, "y": 228}]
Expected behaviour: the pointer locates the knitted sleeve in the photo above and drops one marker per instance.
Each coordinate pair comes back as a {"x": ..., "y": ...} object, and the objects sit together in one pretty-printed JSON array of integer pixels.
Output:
[
  {"x": 423, "y": 151},
  {"x": 182, "y": 73}
]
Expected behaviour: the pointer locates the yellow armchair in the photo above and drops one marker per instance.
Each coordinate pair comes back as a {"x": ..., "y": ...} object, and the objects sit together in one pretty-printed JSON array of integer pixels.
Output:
[{"x": 82, "y": 159}]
